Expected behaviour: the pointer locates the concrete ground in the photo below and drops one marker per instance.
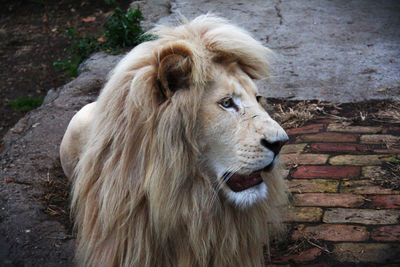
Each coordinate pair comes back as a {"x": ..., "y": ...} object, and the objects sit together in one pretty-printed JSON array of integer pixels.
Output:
[{"x": 340, "y": 51}]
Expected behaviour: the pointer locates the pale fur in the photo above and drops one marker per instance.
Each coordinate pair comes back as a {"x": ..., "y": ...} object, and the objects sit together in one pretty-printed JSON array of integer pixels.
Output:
[{"x": 143, "y": 193}]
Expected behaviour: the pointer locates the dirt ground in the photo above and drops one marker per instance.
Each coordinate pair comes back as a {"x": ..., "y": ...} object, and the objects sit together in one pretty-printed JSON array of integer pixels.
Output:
[{"x": 31, "y": 39}]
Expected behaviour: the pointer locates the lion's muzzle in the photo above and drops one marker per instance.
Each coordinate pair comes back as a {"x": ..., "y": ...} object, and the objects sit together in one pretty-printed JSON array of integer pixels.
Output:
[{"x": 276, "y": 146}]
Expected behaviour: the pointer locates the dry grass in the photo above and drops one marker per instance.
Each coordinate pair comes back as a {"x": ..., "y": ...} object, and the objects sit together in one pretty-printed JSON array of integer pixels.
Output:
[
  {"x": 390, "y": 114},
  {"x": 291, "y": 117},
  {"x": 291, "y": 247},
  {"x": 306, "y": 241},
  {"x": 389, "y": 177},
  {"x": 56, "y": 190},
  {"x": 292, "y": 114}
]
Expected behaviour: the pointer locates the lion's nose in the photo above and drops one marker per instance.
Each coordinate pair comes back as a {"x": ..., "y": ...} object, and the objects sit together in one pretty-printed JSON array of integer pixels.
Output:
[{"x": 274, "y": 146}]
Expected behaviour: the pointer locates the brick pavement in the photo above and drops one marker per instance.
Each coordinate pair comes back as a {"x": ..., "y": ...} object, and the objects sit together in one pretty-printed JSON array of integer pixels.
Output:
[{"x": 338, "y": 215}]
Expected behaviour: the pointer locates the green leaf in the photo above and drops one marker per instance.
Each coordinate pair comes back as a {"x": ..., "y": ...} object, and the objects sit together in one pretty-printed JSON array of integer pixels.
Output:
[
  {"x": 121, "y": 30},
  {"x": 26, "y": 103}
]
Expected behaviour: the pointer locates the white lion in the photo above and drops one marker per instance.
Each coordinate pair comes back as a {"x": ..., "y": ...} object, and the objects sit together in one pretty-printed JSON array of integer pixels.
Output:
[{"x": 175, "y": 164}]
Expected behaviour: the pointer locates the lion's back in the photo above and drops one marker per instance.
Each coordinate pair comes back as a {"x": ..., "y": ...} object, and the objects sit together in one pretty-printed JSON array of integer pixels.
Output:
[{"x": 75, "y": 138}]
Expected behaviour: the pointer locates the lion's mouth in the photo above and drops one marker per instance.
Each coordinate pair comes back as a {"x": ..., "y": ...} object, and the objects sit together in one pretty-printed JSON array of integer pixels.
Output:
[{"x": 239, "y": 182}]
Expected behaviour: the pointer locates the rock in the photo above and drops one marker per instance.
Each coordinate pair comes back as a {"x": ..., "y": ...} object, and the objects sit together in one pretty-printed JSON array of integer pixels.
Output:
[
  {"x": 29, "y": 158},
  {"x": 51, "y": 95}
]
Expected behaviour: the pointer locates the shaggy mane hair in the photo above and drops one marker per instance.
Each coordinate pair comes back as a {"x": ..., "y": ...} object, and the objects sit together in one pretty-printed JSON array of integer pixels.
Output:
[{"x": 140, "y": 196}]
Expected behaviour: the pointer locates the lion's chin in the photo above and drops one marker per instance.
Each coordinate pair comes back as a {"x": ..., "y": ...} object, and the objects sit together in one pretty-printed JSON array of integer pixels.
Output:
[
  {"x": 248, "y": 197},
  {"x": 246, "y": 190}
]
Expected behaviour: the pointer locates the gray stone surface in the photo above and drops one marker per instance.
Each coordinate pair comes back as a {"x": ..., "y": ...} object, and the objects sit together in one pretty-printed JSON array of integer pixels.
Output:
[
  {"x": 341, "y": 51},
  {"x": 362, "y": 216},
  {"x": 153, "y": 11},
  {"x": 29, "y": 237}
]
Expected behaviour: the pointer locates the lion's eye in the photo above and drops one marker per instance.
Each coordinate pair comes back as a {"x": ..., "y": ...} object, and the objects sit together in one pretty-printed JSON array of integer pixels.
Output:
[
  {"x": 258, "y": 97},
  {"x": 227, "y": 102}
]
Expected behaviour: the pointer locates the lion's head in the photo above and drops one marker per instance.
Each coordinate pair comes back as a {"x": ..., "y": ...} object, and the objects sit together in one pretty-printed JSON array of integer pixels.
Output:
[
  {"x": 177, "y": 148},
  {"x": 237, "y": 138}
]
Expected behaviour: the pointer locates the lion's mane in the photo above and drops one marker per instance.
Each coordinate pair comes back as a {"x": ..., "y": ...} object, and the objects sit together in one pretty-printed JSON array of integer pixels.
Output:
[{"x": 139, "y": 196}]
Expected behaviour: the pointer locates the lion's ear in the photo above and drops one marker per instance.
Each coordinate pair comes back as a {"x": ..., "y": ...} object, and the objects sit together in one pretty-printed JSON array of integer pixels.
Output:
[{"x": 174, "y": 69}]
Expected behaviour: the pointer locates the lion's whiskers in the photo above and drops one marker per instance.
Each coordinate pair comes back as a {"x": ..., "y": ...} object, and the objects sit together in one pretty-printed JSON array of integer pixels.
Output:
[{"x": 227, "y": 175}]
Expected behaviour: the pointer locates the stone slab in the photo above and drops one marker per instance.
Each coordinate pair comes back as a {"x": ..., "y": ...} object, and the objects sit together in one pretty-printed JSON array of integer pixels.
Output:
[
  {"x": 336, "y": 232},
  {"x": 385, "y": 139},
  {"x": 365, "y": 187},
  {"x": 327, "y": 50},
  {"x": 327, "y": 137},
  {"x": 292, "y": 148},
  {"x": 313, "y": 186},
  {"x": 304, "y": 159},
  {"x": 359, "y": 160},
  {"x": 367, "y": 253},
  {"x": 361, "y": 216},
  {"x": 303, "y": 214},
  {"x": 337, "y": 127},
  {"x": 389, "y": 233},
  {"x": 327, "y": 200}
]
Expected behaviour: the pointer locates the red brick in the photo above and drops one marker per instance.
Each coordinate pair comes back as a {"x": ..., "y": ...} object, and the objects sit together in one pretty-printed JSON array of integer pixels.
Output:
[
  {"x": 335, "y": 172},
  {"x": 389, "y": 233},
  {"x": 335, "y": 232},
  {"x": 384, "y": 201},
  {"x": 304, "y": 256},
  {"x": 327, "y": 200},
  {"x": 327, "y": 137},
  {"x": 338, "y": 147},
  {"x": 313, "y": 128}
]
